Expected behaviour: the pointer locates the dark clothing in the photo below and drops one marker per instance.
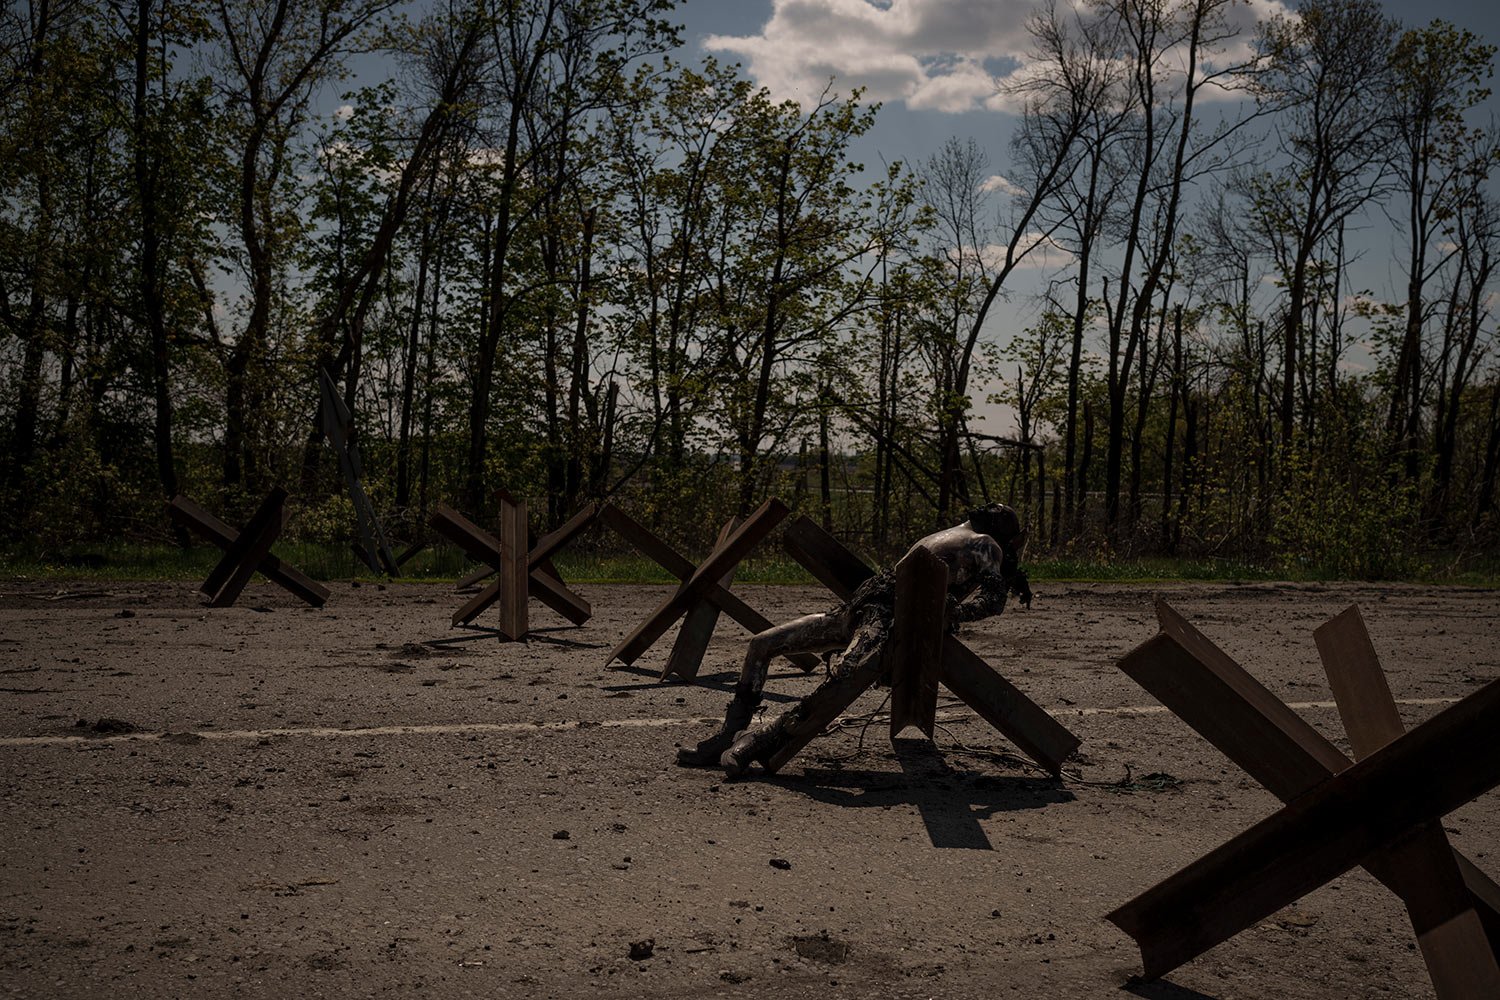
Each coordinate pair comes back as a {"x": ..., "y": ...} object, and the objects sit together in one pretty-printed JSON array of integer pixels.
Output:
[{"x": 877, "y": 596}]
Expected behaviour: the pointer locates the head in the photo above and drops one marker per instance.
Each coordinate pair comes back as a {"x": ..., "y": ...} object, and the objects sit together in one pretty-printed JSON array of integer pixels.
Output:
[
  {"x": 996, "y": 520},
  {"x": 999, "y": 522}
]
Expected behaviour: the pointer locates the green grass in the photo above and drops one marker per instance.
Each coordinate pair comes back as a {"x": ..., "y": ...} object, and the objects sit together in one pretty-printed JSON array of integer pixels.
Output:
[
  {"x": 1161, "y": 569},
  {"x": 135, "y": 561}
]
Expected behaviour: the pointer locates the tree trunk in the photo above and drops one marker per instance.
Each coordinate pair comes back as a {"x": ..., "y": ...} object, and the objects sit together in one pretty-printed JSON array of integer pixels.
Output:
[
  {"x": 1491, "y": 456},
  {"x": 577, "y": 445},
  {"x": 409, "y": 372},
  {"x": 825, "y": 479},
  {"x": 1083, "y": 467},
  {"x": 495, "y": 308},
  {"x": 1170, "y": 446},
  {"x": 146, "y": 163}
]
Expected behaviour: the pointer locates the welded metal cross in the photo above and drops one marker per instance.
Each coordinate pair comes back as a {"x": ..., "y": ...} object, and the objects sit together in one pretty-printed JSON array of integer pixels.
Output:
[
  {"x": 703, "y": 593},
  {"x": 914, "y": 645},
  {"x": 246, "y": 551},
  {"x": 522, "y": 571},
  {"x": 1384, "y": 813},
  {"x": 701, "y": 614}
]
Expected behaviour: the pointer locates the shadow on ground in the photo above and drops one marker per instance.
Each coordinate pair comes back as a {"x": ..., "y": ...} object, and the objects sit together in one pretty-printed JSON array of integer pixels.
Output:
[
  {"x": 1162, "y": 990},
  {"x": 952, "y": 803}
]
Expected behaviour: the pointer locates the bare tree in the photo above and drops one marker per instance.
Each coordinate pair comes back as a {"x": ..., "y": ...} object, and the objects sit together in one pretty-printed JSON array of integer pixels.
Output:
[
  {"x": 1437, "y": 75},
  {"x": 1045, "y": 151},
  {"x": 273, "y": 56},
  {"x": 1325, "y": 74},
  {"x": 1169, "y": 50}
]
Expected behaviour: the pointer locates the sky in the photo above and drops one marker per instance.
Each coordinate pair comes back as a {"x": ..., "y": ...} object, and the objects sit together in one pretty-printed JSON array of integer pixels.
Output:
[
  {"x": 931, "y": 63},
  {"x": 928, "y": 61}
]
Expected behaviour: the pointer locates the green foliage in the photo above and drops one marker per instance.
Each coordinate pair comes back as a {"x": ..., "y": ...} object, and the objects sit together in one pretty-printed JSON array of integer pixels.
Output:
[
  {"x": 619, "y": 276},
  {"x": 79, "y": 495},
  {"x": 1357, "y": 516}
]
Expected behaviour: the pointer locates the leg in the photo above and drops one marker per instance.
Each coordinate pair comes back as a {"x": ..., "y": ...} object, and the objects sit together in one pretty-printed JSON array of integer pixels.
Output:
[
  {"x": 865, "y": 644},
  {"x": 809, "y": 634},
  {"x": 817, "y": 633},
  {"x": 853, "y": 670}
]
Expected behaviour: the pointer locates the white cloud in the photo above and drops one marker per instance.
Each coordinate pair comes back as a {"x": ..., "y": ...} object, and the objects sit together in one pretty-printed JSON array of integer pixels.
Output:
[
  {"x": 932, "y": 55},
  {"x": 1035, "y": 251},
  {"x": 994, "y": 182},
  {"x": 344, "y": 112}
]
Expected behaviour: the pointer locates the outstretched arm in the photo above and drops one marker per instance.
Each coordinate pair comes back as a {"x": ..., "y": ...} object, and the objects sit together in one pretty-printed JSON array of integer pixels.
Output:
[{"x": 995, "y": 585}]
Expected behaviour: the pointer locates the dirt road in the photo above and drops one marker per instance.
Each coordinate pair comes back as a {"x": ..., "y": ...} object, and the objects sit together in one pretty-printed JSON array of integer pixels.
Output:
[{"x": 270, "y": 801}]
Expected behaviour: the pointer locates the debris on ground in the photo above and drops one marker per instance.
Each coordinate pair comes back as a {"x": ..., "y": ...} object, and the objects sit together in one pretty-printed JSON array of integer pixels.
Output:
[
  {"x": 821, "y": 947},
  {"x": 106, "y": 726}
]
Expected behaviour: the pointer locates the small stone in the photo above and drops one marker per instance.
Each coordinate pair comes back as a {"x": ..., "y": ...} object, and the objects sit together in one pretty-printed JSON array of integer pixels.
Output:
[
  {"x": 561, "y": 835},
  {"x": 642, "y": 950},
  {"x": 781, "y": 863},
  {"x": 124, "y": 613}
]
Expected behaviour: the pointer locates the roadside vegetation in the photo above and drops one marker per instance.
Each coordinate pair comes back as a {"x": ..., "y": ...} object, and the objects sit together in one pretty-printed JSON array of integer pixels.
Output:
[{"x": 550, "y": 254}]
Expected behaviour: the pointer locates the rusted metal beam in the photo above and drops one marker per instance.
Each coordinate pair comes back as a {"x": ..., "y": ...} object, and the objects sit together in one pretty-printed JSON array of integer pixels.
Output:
[
  {"x": 1450, "y": 931},
  {"x": 336, "y": 421},
  {"x": 825, "y": 557},
  {"x": 247, "y": 551},
  {"x": 550, "y": 590},
  {"x": 704, "y": 577},
  {"x": 818, "y": 710},
  {"x": 1004, "y": 706},
  {"x": 542, "y": 579},
  {"x": 1360, "y": 689},
  {"x": 699, "y": 623},
  {"x": 659, "y": 552},
  {"x": 512, "y": 573},
  {"x": 1204, "y": 687},
  {"x": 1439, "y": 766},
  {"x": 193, "y": 517},
  {"x": 552, "y": 543},
  {"x": 998, "y": 702},
  {"x": 918, "y": 628},
  {"x": 267, "y": 515},
  {"x": 259, "y": 534},
  {"x": 1207, "y": 689}
]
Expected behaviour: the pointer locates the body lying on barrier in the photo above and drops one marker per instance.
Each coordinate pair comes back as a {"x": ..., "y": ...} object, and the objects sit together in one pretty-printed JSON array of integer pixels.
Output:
[{"x": 982, "y": 556}]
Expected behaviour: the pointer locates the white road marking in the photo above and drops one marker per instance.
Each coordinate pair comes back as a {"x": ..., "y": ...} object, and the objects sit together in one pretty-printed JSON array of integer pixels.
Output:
[
  {"x": 476, "y": 728},
  {"x": 1298, "y": 705}
]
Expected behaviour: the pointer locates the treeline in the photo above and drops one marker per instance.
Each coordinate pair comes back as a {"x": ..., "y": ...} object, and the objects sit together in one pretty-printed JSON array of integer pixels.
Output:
[{"x": 542, "y": 253}]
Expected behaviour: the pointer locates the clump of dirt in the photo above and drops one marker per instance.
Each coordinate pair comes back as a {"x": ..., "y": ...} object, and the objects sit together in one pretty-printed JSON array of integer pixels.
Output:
[
  {"x": 821, "y": 947},
  {"x": 107, "y": 726}
]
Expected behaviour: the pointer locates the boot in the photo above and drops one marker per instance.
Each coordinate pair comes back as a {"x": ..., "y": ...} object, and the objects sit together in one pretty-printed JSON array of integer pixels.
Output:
[
  {"x": 756, "y": 745},
  {"x": 707, "y": 753}
]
